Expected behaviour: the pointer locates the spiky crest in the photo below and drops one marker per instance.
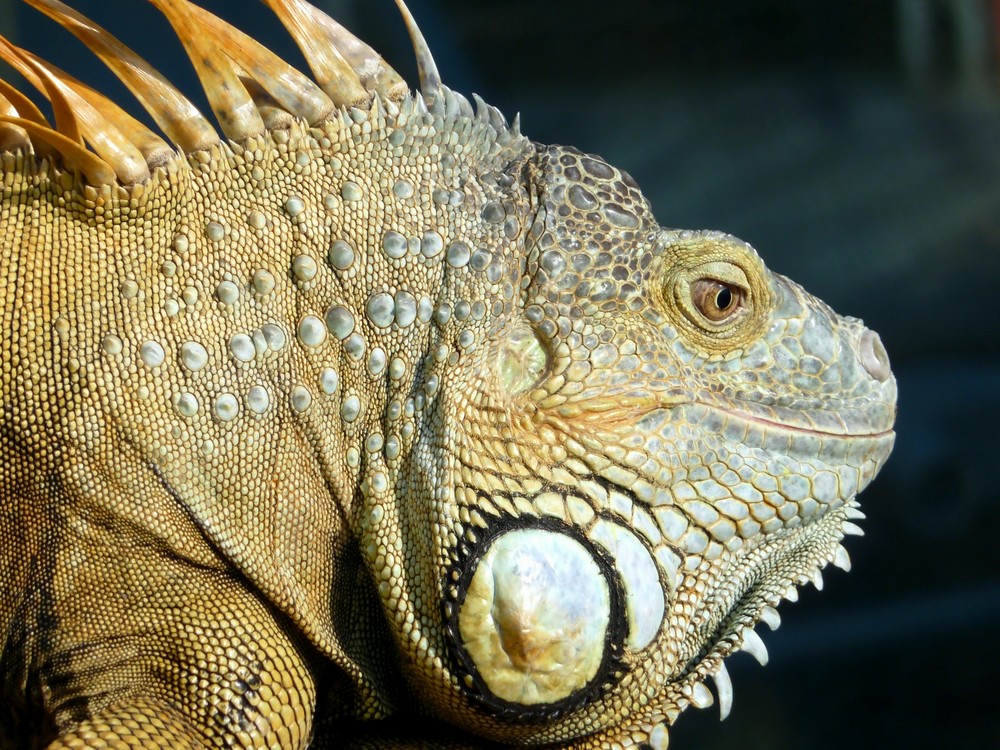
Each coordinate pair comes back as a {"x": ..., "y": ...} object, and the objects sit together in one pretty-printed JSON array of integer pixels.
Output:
[{"x": 249, "y": 88}]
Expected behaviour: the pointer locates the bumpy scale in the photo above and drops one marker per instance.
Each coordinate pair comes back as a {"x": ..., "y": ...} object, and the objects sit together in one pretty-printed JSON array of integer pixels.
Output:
[{"x": 373, "y": 386}]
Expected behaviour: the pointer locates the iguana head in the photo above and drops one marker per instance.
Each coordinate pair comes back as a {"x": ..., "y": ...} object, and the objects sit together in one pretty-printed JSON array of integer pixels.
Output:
[{"x": 657, "y": 443}]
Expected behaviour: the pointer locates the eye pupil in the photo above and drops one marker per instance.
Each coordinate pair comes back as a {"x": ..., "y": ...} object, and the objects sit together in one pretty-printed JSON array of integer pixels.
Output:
[
  {"x": 715, "y": 300},
  {"x": 724, "y": 299}
]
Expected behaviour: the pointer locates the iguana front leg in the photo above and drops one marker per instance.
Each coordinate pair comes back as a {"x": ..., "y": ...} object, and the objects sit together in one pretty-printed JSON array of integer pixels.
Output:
[
  {"x": 139, "y": 722},
  {"x": 181, "y": 655}
]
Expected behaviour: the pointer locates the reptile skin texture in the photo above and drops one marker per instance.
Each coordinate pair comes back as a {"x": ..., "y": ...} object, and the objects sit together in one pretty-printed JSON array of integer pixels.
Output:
[{"x": 369, "y": 422}]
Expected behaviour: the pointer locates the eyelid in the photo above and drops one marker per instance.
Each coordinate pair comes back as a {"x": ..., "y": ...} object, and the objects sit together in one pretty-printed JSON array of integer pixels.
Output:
[{"x": 727, "y": 273}]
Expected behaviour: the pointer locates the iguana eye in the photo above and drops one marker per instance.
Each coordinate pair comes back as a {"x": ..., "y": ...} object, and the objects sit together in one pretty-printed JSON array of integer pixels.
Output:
[
  {"x": 717, "y": 305},
  {"x": 716, "y": 300}
]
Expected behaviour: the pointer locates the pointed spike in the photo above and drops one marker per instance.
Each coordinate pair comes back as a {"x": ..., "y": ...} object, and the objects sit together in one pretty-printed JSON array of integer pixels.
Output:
[
  {"x": 817, "y": 579},
  {"x": 465, "y": 107},
  {"x": 232, "y": 105},
  {"x": 391, "y": 106},
  {"x": 854, "y": 514},
  {"x": 482, "y": 109},
  {"x": 792, "y": 593},
  {"x": 111, "y": 145},
  {"x": 770, "y": 616},
  {"x": 430, "y": 79},
  {"x": 174, "y": 113},
  {"x": 456, "y": 105},
  {"x": 515, "y": 126},
  {"x": 498, "y": 120},
  {"x": 701, "y": 696},
  {"x": 333, "y": 73},
  {"x": 438, "y": 106},
  {"x": 754, "y": 645},
  {"x": 66, "y": 122},
  {"x": 852, "y": 529},
  {"x": 724, "y": 687},
  {"x": 841, "y": 559},
  {"x": 12, "y": 138},
  {"x": 75, "y": 156},
  {"x": 452, "y": 109},
  {"x": 295, "y": 92}
]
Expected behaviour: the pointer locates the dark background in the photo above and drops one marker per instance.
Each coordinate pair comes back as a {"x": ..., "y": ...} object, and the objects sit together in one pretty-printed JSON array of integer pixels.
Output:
[{"x": 858, "y": 148}]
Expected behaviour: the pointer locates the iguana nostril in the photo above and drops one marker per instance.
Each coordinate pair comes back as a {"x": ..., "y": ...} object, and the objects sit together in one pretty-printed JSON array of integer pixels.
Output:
[{"x": 873, "y": 356}]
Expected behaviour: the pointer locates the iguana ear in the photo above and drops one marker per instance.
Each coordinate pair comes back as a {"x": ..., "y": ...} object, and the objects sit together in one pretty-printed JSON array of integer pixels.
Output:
[{"x": 549, "y": 611}]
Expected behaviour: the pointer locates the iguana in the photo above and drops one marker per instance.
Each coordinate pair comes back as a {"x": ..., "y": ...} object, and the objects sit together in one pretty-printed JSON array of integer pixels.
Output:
[{"x": 373, "y": 407}]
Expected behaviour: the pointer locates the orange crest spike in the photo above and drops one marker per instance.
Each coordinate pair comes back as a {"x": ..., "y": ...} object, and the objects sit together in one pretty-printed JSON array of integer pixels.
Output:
[
  {"x": 26, "y": 109},
  {"x": 290, "y": 88},
  {"x": 275, "y": 117},
  {"x": 375, "y": 73},
  {"x": 22, "y": 105},
  {"x": 154, "y": 149},
  {"x": 66, "y": 122},
  {"x": 333, "y": 73},
  {"x": 324, "y": 32},
  {"x": 12, "y": 138},
  {"x": 75, "y": 156},
  {"x": 230, "y": 101},
  {"x": 174, "y": 113},
  {"x": 107, "y": 140}
]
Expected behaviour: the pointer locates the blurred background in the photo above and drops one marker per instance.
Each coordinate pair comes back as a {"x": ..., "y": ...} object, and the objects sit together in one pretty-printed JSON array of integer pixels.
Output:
[{"x": 856, "y": 144}]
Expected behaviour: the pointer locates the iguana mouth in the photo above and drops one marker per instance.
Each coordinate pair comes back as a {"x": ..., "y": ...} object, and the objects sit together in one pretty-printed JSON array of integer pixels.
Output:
[
  {"x": 630, "y": 407},
  {"x": 776, "y": 424}
]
